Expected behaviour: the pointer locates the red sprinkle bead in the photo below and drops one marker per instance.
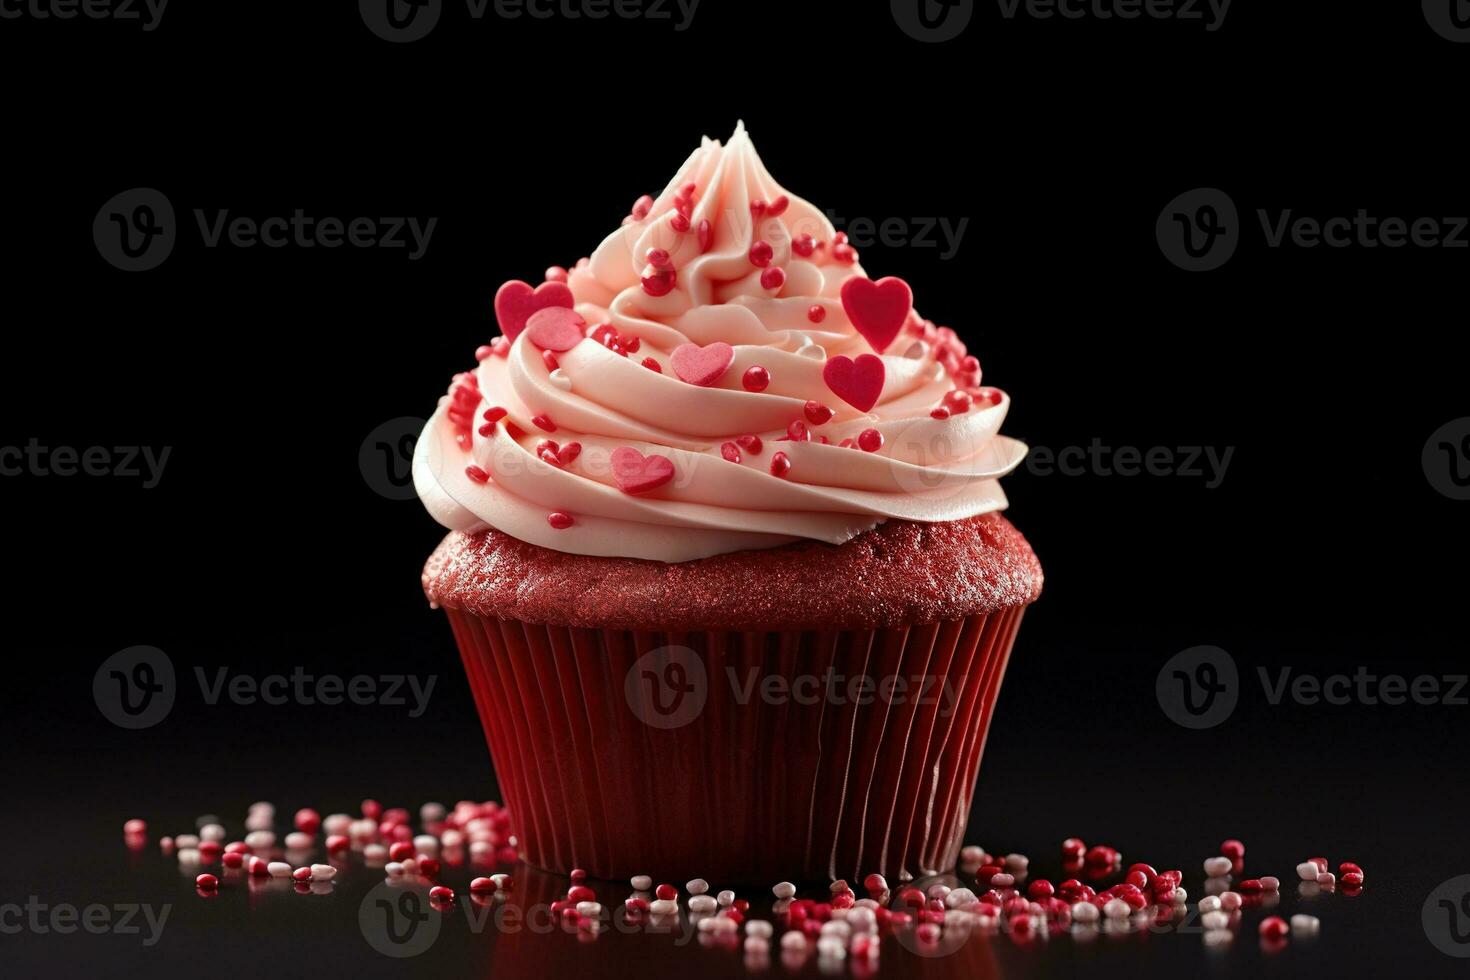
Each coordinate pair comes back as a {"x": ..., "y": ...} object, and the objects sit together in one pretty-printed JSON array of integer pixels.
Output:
[
  {"x": 773, "y": 278},
  {"x": 941, "y": 413},
  {"x": 730, "y": 451},
  {"x": 816, "y": 313},
  {"x": 630, "y": 344},
  {"x": 652, "y": 365},
  {"x": 666, "y": 892},
  {"x": 1274, "y": 927},
  {"x": 636, "y": 904},
  {"x": 549, "y": 359},
  {"x": 580, "y": 893},
  {"x": 659, "y": 259},
  {"x": 761, "y": 254},
  {"x": 482, "y": 886},
  {"x": 778, "y": 206},
  {"x": 207, "y": 881},
  {"x": 641, "y": 207},
  {"x": 1250, "y": 886},
  {"x": 430, "y": 867},
  {"x": 543, "y": 422},
  {"x": 797, "y": 432},
  {"x": 751, "y": 444},
  {"x": 1040, "y": 890},
  {"x": 680, "y": 223},
  {"x": 844, "y": 253},
  {"x": 337, "y": 843},
  {"x": 441, "y": 893},
  {"x": 817, "y": 413},
  {"x": 803, "y": 245},
  {"x": 494, "y": 414},
  {"x": 780, "y": 464},
  {"x": 569, "y": 452},
  {"x": 476, "y": 474},
  {"x": 757, "y": 208},
  {"x": 706, "y": 233},
  {"x": 308, "y": 821},
  {"x": 1233, "y": 849},
  {"x": 1352, "y": 878},
  {"x": 658, "y": 282},
  {"x": 1348, "y": 867},
  {"x": 870, "y": 440},
  {"x": 483, "y": 352},
  {"x": 559, "y": 520},
  {"x": 756, "y": 378},
  {"x": 500, "y": 347}
]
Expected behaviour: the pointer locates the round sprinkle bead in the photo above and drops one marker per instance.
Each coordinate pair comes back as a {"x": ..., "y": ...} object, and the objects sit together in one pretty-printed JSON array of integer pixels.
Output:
[
  {"x": 1308, "y": 871},
  {"x": 817, "y": 413},
  {"x": 206, "y": 881},
  {"x": 1215, "y": 920},
  {"x": 641, "y": 883},
  {"x": 441, "y": 893},
  {"x": 697, "y": 886},
  {"x": 1217, "y": 867},
  {"x": 761, "y": 254},
  {"x": 773, "y": 278},
  {"x": 756, "y": 378},
  {"x": 780, "y": 464},
  {"x": 1274, "y": 927},
  {"x": 1230, "y": 901},
  {"x": 730, "y": 451},
  {"x": 870, "y": 441},
  {"x": 560, "y": 520},
  {"x": 1233, "y": 849},
  {"x": 784, "y": 889},
  {"x": 667, "y": 893},
  {"x": 1303, "y": 926},
  {"x": 816, "y": 313}
]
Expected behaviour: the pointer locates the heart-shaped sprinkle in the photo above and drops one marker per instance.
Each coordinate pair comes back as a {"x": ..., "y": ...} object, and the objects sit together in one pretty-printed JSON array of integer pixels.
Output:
[
  {"x": 859, "y": 382},
  {"x": 877, "y": 309},
  {"x": 702, "y": 366},
  {"x": 516, "y": 301},
  {"x": 634, "y": 472},
  {"x": 555, "y": 328}
]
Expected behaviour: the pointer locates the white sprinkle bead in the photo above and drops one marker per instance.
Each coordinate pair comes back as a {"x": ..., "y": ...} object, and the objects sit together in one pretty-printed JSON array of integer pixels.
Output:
[
  {"x": 1116, "y": 909},
  {"x": 641, "y": 883},
  {"x": 1308, "y": 871},
  {"x": 717, "y": 923},
  {"x": 1210, "y": 903},
  {"x": 726, "y": 898},
  {"x": 939, "y": 891},
  {"x": 336, "y": 823},
  {"x": 1327, "y": 879},
  {"x": 187, "y": 840},
  {"x": 432, "y": 812},
  {"x": 663, "y": 906},
  {"x": 791, "y": 939},
  {"x": 374, "y": 853},
  {"x": 1218, "y": 867},
  {"x": 259, "y": 821},
  {"x": 867, "y": 903},
  {"x": 560, "y": 379},
  {"x": 1085, "y": 912},
  {"x": 702, "y": 903},
  {"x": 393, "y": 869},
  {"x": 1305, "y": 925},
  {"x": 362, "y": 830},
  {"x": 1002, "y": 880},
  {"x": 426, "y": 844},
  {"x": 784, "y": 890},
  {"x": 1215, "y": 920},
  {"x": 323, "y": 872},
  {"x": 212, "y": 831},
  {"x": 959, "y": 897},
  {"x": 589, "y": 910},
  {"x": 697, "y": 886},
  {"x": 298, "y": 841},
  {"x": 1180, "y": 895},
  {"x": 1017, "y": 863},
  {"x": 1271, "y": 884},
  {"x": 410, "y": 866},
  {"x": 971, "y": 853},
  {"x": 757, "y": 944},
  {"x": 1230, "y": 901},
  {"x": 832, "y": 948},
  {"x": 758, "y": 927},
  {"x": 264, "y": 840},
  {"x": 862, "y": 919},
  {"x": 836, "y": 927},
  {"x": 189, "y": 855},
  {"x": 1218, "y": 937},
  {"x": 279, "y": 869}
]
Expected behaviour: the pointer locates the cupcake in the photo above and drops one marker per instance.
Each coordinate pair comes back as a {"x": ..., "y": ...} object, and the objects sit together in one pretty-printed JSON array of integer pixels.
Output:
[{"x": 726, "y": 566}]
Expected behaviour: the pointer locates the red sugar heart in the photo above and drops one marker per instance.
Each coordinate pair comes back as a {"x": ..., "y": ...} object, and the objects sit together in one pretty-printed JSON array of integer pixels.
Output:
[
  {"x": 516, "y": 301},
  {"x": 877, "y": 309},
  {"x": 859, "y": 382},
  {"x": 702, "y": 365},
  {"x": 634, "y": 472},
  {"x": 555, "y": 328}
]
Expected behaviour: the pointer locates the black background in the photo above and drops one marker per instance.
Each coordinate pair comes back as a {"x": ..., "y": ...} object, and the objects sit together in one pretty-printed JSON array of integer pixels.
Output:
[{"x": 1324, "y": 548}]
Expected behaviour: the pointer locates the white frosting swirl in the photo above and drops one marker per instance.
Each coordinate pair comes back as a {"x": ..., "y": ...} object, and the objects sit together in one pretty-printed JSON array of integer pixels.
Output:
[{"x": 927, "y": 469}]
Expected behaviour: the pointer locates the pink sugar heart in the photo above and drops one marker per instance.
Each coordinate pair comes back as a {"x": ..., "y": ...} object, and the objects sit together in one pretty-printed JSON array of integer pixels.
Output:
[
  {"x": 555, "y": 328},
  {"x": 702, "y": 365},
  {"x": 859, "y": 382},
  {"x": 877, "y": 309},
  {"x": 634, "y": 472},
  {"x": 515, "y": 301}
]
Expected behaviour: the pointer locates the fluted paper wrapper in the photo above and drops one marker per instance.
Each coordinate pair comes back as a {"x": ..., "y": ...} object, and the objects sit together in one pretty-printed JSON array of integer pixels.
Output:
[{"x": 714, "y": 754}]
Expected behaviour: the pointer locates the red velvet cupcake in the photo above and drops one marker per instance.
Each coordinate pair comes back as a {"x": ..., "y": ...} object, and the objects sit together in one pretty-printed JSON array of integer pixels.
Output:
[{"x": 726, "y": 564}]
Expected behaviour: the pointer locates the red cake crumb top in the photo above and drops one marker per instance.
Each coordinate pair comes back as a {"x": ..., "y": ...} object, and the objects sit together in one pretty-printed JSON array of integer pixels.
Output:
[{"x": 900, "y": 573}]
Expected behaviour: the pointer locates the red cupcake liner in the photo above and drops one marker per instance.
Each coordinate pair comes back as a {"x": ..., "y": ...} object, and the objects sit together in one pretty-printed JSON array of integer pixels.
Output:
[{"x": 745, "y": 789}]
